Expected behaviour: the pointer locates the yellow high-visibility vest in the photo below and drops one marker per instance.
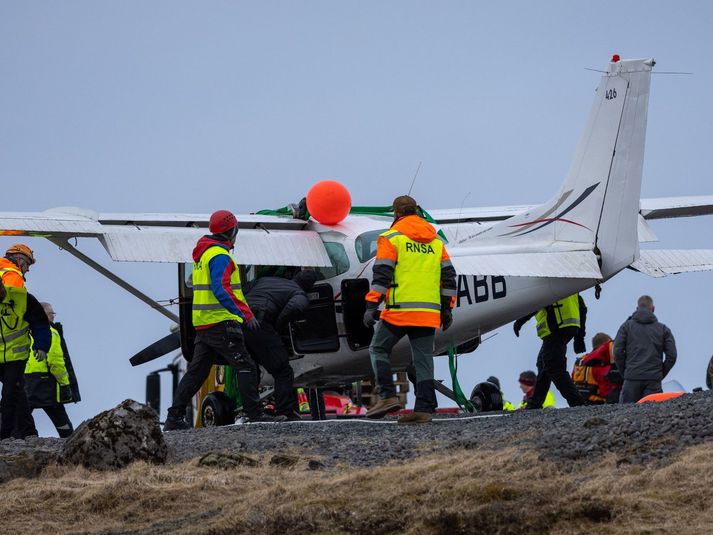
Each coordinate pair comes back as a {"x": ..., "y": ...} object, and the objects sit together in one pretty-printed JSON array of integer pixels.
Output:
[
  {"x": 54, "y": 363},
  {"x": 566, "y": 313},
  {"x": 15, "y": 341},
  {"x": 207, "y": 310},
  {"x": 549, "y": 402},
  {"x": 417, "y": 275}
]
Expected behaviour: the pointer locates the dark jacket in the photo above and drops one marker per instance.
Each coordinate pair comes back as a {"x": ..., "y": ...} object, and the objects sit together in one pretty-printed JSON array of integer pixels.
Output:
[
  {"x": 640, "y": 345},
  {"x": 39, "y": 324},
  {"x": 276, "y": 300},
  {"x": 73, "y": 383}
]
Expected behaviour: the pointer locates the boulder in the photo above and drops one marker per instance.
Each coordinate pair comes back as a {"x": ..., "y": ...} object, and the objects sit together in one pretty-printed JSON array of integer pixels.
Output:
[
  {"x": 27, "y": 464},
  {"x": 115, "y": 438}
]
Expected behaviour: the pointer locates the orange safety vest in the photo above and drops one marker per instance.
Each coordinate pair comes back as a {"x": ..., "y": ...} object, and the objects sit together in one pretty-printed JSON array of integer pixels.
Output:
[
  {"x": 11, "y": 274},
  {"x": 417, "y": 255}
]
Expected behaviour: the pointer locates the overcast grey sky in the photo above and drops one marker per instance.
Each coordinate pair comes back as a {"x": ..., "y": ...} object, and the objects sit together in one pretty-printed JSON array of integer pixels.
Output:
[{"x": 173, "y": 106}]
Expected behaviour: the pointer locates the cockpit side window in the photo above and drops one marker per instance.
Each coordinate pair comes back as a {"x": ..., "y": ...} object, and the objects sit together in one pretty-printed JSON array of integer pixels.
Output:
[
  {"x": 340, "y": 260},
  {"x": 366, "y": 244}
]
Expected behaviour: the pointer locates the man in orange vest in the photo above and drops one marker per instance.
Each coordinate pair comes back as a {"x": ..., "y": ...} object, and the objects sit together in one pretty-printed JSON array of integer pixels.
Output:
[
  {"x": 17, "y": 262},
  {"x": 415, "y": 279}
]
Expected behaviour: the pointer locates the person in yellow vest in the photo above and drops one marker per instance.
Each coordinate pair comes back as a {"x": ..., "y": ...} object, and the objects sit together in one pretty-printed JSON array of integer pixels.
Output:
[
  {"x": 17, "y": 262},
  {"x": 527, "y": 381},
  {"x": 23, "y": 329},
  {"x": 415, "y": 279},
  {"x": 52, "y": 400},
  {"x": 219, "y": 314},
  {"x": 557, "y": 325}
]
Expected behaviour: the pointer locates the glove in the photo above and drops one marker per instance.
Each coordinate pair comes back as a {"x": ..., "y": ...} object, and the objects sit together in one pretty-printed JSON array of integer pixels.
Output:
[
  {"x": 253, "y": 324},
  {"x": 65, "y": 393},
  {"x": 40, "y": 355},
  {"x": 371, "y": 316},
  {"x": 579, "y": 345},
  {"x": 516, "y": 326},
  {"x": 446, "y": 318}
]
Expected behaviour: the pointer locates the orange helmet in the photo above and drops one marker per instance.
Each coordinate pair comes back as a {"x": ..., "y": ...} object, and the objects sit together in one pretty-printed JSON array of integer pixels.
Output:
[{"x": 20, "y": 248}]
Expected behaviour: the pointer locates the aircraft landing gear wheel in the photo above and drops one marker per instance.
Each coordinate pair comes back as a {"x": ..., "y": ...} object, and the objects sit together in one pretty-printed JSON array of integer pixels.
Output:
[{"x": 217, "y": 410}]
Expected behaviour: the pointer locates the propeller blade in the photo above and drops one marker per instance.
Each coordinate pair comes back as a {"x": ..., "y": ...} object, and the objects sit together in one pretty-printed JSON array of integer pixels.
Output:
[{"x": 158, "y": 349}]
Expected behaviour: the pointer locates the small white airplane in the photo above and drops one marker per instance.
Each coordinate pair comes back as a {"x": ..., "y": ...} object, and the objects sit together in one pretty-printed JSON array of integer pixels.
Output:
[{"x": 510, "y": 260}]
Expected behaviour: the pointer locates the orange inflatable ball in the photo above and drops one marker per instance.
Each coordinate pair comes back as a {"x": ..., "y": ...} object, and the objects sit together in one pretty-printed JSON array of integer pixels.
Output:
[
  {"x": 329, "y": 202},
  {"x": 657, "y": 398}
]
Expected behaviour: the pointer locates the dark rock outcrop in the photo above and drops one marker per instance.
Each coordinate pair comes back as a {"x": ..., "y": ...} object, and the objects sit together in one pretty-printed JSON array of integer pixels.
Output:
[
  {"x": 26, "y": 464},
  {"x": 115, "y": 438},
  {"x": 227, "y": 460}
]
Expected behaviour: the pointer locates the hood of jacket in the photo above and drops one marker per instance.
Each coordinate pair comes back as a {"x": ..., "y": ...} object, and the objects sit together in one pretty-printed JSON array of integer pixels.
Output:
[
  {"x": 208, "y": 241},
  {"x": 643, "y": 316},
  {"x": 416, "y": 228}
]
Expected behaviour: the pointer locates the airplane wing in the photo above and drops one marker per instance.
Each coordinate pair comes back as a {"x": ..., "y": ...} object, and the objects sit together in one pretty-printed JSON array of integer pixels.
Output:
[
  {"x": 567, "y": 264},
  {"x": 263, "y": 240},
  {"x": 662, "y": 262}
]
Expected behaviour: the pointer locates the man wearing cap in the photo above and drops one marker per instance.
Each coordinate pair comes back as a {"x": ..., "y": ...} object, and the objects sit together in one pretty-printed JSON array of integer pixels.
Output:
[
  {"x": 276, "y": 301},
  {"x": 219, "y": 313},
  {"x": 17, "y": 262},
  {"x": 414, "y": 278},
  {"x": 527, "y": 385}
]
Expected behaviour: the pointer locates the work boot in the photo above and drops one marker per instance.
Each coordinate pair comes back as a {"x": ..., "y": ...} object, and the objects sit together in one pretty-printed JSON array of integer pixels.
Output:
[
  {"x": 416, "y": 418},
  {"x": 176, "y": 423},
  {"x": 383, "y": 407}
]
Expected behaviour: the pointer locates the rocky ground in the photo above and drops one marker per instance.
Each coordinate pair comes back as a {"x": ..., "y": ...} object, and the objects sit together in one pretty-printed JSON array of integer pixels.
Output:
[
  {"x": 608, "y": 469},
  {"x": 633, "y": 433}
]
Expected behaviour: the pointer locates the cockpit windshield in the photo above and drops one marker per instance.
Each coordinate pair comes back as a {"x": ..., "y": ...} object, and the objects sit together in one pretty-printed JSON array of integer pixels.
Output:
[{"x": 366, "y": 244}]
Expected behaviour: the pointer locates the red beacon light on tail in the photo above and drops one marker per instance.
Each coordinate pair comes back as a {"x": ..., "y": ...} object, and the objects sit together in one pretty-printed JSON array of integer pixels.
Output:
[{"x": 615, "y": 58}]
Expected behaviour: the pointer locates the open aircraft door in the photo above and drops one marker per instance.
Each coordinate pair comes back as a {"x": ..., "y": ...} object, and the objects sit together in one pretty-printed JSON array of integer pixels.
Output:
[
  {"x": 353, "y": 307},
  {"x": 316, "y": 331}
]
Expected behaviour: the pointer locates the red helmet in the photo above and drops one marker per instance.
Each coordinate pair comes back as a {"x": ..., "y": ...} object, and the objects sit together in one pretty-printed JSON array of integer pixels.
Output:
[{"x": 222, "y": 221}]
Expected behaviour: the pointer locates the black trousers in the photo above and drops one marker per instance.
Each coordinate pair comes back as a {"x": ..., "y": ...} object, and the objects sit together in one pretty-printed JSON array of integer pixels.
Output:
[
  {"x": 220, "y": 344},
  {"x": 14, "y": 408},
  {"x": 266, "y": 348},
  {"x": 552, "y": 368},
  {"x": 60, "y": 420}
]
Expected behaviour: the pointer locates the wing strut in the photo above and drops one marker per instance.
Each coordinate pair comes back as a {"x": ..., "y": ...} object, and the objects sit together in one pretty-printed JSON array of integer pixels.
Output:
[{"x": 64, "y": 244}]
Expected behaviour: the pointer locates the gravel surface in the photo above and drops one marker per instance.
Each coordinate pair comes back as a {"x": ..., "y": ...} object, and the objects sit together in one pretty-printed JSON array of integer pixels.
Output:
[{"x": 634, "y": 433}]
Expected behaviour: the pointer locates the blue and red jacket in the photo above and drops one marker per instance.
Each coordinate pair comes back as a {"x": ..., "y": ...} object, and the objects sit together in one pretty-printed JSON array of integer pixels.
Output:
[{"x": 221, "y": 269}]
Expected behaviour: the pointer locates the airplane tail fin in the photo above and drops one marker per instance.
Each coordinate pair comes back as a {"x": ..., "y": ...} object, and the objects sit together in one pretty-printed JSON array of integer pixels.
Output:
[{"x": 598, "y": 204}]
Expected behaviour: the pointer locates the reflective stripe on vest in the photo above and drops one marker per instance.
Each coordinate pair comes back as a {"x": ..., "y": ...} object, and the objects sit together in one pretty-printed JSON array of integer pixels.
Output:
[
  {"x": 417, "y": 275},
  {"x": 566, "y": 312},
  {"x": 207, "y": 310},
  {"x": 15, "y": 339},
  {"x": 9, "y": 270}
]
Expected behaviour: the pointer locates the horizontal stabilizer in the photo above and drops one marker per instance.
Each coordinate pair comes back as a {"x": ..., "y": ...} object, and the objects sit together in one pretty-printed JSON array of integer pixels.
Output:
[
  {"x": 669, "y": 207},
  {"x": 568, "y": 265},
  {"x": 655, "y": 208},
  {"x": 662, "y": 262}
]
